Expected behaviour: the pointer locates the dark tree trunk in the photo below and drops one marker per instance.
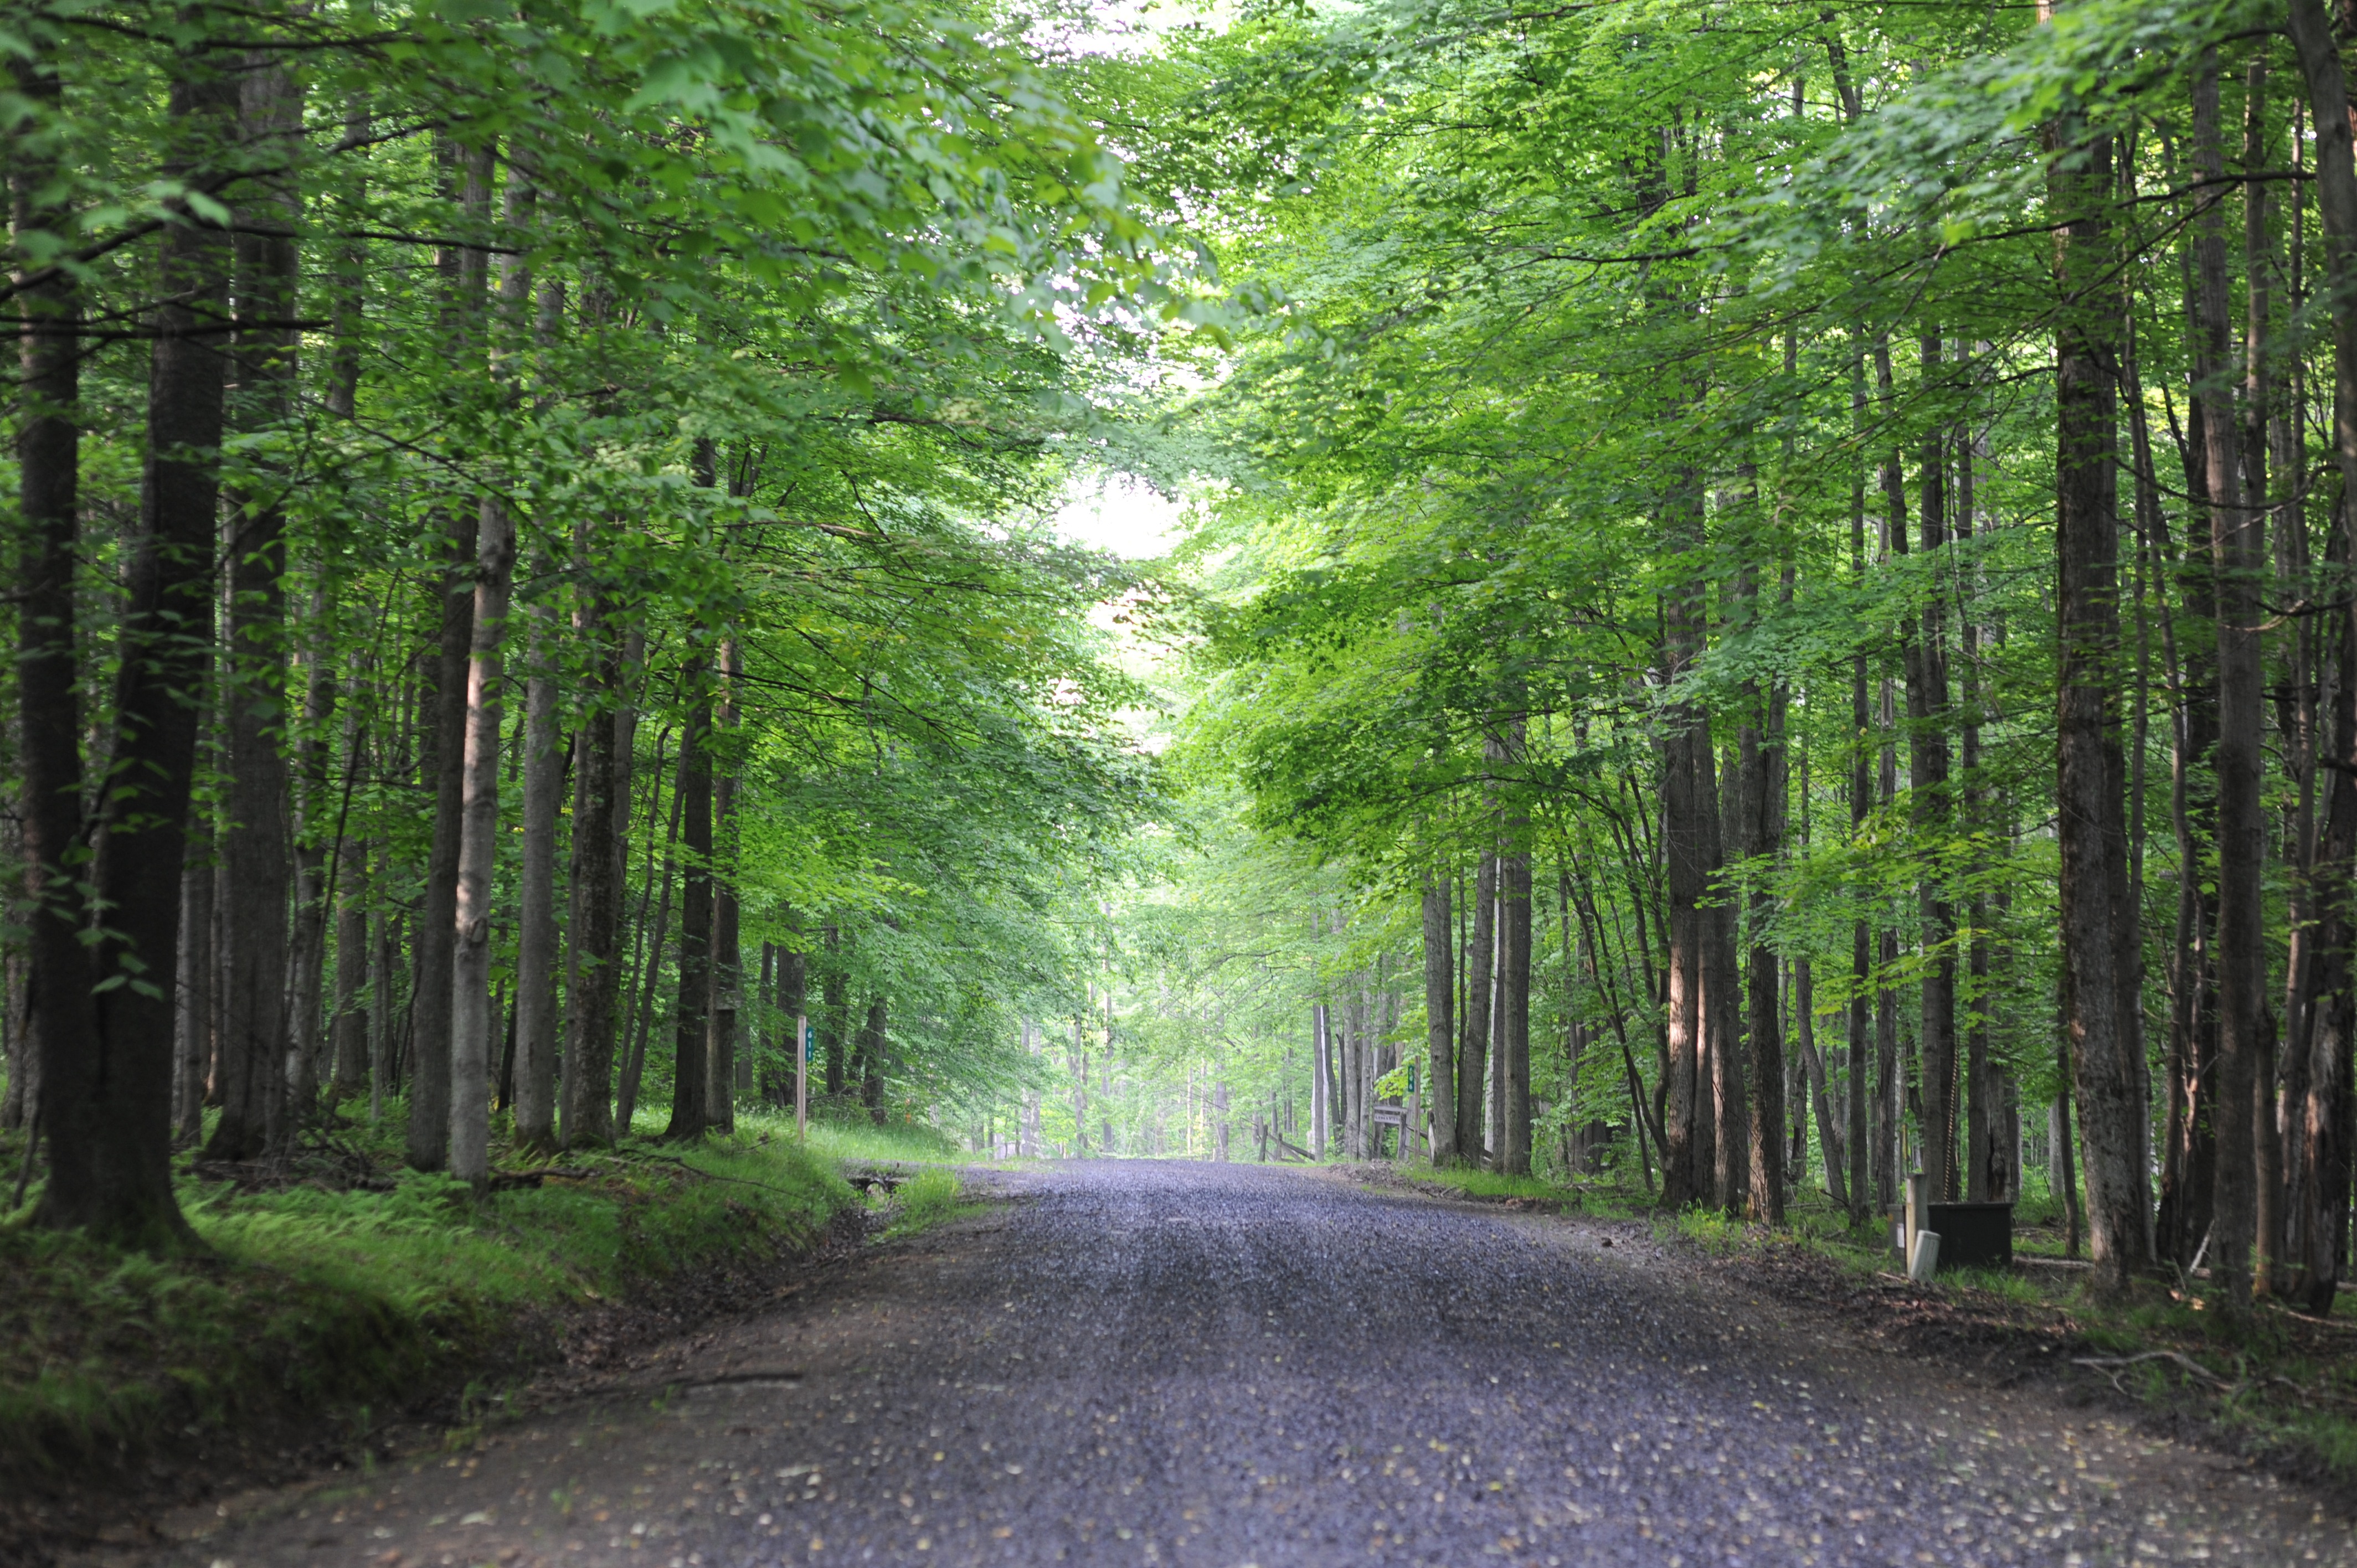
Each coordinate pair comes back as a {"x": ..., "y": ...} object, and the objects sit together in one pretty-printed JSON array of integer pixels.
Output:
[
  {"x": 1481, "y": 978},
  {"x": 2097, "y": 928},
  {"x": 873, "y": 1041},
  {"x": 107, "y": 1093},
  {"x": 2236, "y": 538},
  {"x": 593, "y": 980},
  {"x": 835, "y": 1006},
  {"x": 60, "y": 1042},
  {"x": 2325, "y": 1116},
  {"x": 727, "y": 958},
  {"x": 1440, "y": 1023},
  {"x": 466, "y": 175},
  {"x": 690, "y": 1117},
  {"x": 254, "y": 1049}
]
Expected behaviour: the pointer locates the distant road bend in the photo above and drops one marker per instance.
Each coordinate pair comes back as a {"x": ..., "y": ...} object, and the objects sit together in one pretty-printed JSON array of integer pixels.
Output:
[{"x": 1226, "y": 1365}]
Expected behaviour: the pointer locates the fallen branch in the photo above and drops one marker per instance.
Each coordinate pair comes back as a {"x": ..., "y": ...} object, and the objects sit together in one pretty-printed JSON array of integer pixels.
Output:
[{"x": 2112, "y": 1366}]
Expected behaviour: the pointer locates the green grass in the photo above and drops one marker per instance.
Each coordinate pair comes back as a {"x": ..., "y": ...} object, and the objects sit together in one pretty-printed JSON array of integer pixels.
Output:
[
  {"x": 930, "y": 1197},
  {"x": 315, "y": 1300},
  {"x": 1489, "y": 1184},
  {"x": 899, "y": 1141}
]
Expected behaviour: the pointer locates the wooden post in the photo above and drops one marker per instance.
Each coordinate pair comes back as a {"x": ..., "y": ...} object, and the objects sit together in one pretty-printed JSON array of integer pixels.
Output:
[{"x": 802, "y": 1075}]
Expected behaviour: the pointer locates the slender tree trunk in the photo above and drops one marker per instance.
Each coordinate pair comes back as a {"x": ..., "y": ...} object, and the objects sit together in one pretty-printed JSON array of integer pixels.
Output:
[
  {"x": 1861, "y": 804},
  {"x": 728, "y": 960},
  {"x": 60, "y": 1042},
  {"x": 593, "y": 979},
  {"x": 253, "y": 1052},
  {"x": 1440, "y": 1024},
  {"x": 835, "y": 1008},
  {"x": 1723, "y": 1004},
  {"x": 471, "y": 1016},
  {"x": 466, "y": 173},
  {"x": 874, "y": 1040},
  {"x": 2098, "y": 928},
  {"x": 1473, "y": 1055},
  {"x": 2325, "y": 1117},
  {"x": 1513, "y": 1065},
  {"x": 2237, "y": 553},
  {"x": 536, "y": 930},
  {"x": 689, "y": 1115}
]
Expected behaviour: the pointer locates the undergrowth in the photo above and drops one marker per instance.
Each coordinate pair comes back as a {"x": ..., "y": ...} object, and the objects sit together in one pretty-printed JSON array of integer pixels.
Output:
[{"x": 318, "y": 1293}]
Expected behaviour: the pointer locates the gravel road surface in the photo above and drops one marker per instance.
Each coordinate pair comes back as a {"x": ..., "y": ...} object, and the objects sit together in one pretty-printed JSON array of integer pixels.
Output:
[{"x": 1153, "y": 1364}]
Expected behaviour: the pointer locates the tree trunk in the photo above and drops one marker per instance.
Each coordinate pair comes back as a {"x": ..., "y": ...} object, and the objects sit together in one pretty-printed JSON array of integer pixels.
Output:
[
  {"x": 59, "y": 1039},
  {"x": 873, "y": 1040},
  {"x": 467, "y": 176},
  {"x": 1513, "y": 1066},
  {"x": 253, "y": 1051},
  {"x": 107, "y": 1085},
  {"x": 2236, "y": 546},
  {"x": 835, "y": 1006},
  {"x": 1440, "y": 1024},
  {"x": 2325, "y": 1116},
  {"x": 2097, "y": 928},
  {"x": 689, "y": 1113},
  {"x": 1473, "y": 1055},
  {"x": 593, "y": 979},
  {"x": 479, "y": 852},
  {"x": 1761, "y": 771},
  {"x": 537, "y": 948},
  {"x": 728, "y": 960}
]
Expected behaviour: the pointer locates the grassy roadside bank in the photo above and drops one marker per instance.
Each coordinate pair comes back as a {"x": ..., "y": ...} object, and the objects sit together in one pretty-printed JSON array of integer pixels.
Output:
[
  {"x": 340, "y": 1287},
  {"x": 2280, "y": 1391}
]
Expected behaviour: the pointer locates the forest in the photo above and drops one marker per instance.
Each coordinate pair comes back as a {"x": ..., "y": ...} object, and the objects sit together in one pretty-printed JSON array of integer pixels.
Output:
[{"x": 1754, "y": 599}]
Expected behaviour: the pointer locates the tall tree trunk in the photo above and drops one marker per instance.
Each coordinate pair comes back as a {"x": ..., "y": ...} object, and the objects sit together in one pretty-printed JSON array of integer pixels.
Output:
[
  {"x": 467, "y": 181},
  {"x": 1723, "y": 1005},
  {"x": 593, "y": 978},
  {"x": 1473, "y": 1055},
  {"x": 1440, "y": 1023},
  {"x": 60, "y": 1042},
  {"x": 1513, "y": 1065},
  {"x": 2098, "y": 928},
  {"x": 1861, "y": 804},
  {"x": 254, "y": 1087},
  {"x": 874, "y": 1040},
  {"x": 1760, "y": 772},
  {"x": 835, "y": 1008},
  {"x": 107, "y": 1089},
  {"x": 1691, "y": 854},
  {"x": 544, "y": 765},
  {"x": 2325, "y": 1116},
  {"x": 194, "y": 1044},
  {"x": 2237, "y": 554},
  {"x": 728, "y": 960},
  {"x": 689, "y": 1115},
  {"x": 472, "y": 1020}
]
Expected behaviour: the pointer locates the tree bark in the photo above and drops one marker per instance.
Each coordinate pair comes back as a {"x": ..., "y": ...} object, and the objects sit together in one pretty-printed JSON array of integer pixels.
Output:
[
  {"x": 2097, "y": 928},
  {"x": 689, "y": 1115},
  {"x": 2236, "y": 554},
  {"x": 1473, "y": 1055},
  {"x": 254, "y": 1049},
  {"x": 1440, "y": 1024},
  {"x": 593, "y": 980},
  {"x": 107, "y": 1089},
  {"x": 727, "y": 958},
  {"x": 60, "y": 1041},
  {"x": 2325, "y": 1115},
  {"x": 466, "y": 176},
  {"x": 536, "y": 929},
  {"x": 479, "y": 852}
]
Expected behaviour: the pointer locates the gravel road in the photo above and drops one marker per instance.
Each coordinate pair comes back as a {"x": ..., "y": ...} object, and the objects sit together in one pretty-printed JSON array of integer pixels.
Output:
[{"x": 1190, "y": 1364}]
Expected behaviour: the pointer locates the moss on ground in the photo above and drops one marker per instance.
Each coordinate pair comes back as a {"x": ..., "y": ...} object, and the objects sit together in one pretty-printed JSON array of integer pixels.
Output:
[{"x": 342, "y": 1281}]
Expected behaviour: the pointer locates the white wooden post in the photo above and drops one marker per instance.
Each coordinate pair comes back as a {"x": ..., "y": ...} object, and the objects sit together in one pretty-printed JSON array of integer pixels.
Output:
[{"x": 802, "y": 1075}]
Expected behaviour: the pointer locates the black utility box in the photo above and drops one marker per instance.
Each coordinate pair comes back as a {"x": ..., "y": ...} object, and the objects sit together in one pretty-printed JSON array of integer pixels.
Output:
[{"x": 1972, "y": 1235}]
